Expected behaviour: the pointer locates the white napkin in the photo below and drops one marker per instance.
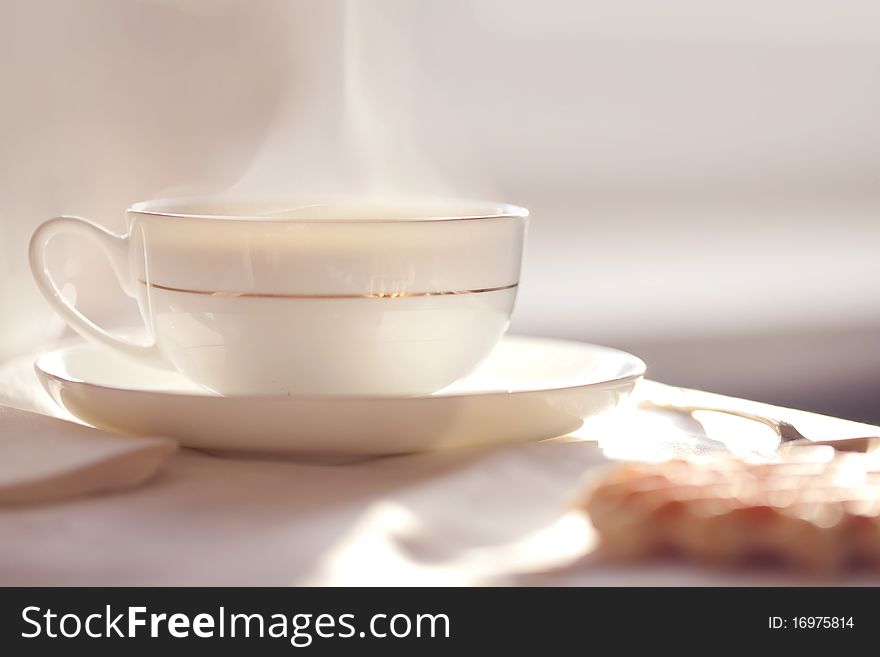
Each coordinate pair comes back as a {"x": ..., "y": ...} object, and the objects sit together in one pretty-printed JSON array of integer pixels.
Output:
[{"x": 44, "y": 458}]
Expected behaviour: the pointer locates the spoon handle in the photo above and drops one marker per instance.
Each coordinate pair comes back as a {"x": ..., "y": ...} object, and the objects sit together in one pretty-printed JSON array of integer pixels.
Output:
[
  {"x": 787, "y": 433},
  {"x": 784, "y": 430}
]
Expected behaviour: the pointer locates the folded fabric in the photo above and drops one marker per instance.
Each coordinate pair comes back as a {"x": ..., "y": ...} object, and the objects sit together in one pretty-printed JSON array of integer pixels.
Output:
[{"x": 44, "y": 458}]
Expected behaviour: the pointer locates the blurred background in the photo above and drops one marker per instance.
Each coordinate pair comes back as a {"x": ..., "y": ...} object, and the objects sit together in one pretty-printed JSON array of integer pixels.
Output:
[{"x": 704, "y": 177}]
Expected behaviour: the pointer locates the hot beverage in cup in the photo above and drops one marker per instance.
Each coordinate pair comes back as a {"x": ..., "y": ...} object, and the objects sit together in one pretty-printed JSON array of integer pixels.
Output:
[{"x": 324, "y": 298}]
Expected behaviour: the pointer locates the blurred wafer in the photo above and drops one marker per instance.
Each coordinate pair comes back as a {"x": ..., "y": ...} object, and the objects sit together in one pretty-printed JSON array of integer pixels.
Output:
[{"x": 813, "y": 509}]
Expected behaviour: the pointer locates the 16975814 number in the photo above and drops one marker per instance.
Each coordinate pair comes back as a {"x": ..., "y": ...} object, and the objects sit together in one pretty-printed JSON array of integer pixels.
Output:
[{"x": 811, "y": 622}]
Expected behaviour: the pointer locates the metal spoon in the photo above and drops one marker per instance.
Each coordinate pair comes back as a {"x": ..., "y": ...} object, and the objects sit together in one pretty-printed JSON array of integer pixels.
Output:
[{"x": 787, "y": 432}]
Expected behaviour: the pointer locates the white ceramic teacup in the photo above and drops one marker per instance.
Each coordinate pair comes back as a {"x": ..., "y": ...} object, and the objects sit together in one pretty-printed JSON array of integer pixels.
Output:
[{"x": 284, "y": 298}]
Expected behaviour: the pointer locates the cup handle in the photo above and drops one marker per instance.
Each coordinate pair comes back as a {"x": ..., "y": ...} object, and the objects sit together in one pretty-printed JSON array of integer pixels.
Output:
[{"x": 115, "y": 248}]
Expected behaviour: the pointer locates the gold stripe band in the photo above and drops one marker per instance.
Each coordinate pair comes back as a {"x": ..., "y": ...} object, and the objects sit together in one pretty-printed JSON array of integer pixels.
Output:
[{"x": 380, "y": 295}]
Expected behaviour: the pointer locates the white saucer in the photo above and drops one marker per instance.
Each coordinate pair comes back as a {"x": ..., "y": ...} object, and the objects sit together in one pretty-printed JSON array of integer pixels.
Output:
[{"x": 528, "y": 389}]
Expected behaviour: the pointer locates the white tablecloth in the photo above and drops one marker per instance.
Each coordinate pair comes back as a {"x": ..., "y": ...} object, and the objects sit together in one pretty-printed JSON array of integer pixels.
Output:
[{"x": 482, "y": 516}]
